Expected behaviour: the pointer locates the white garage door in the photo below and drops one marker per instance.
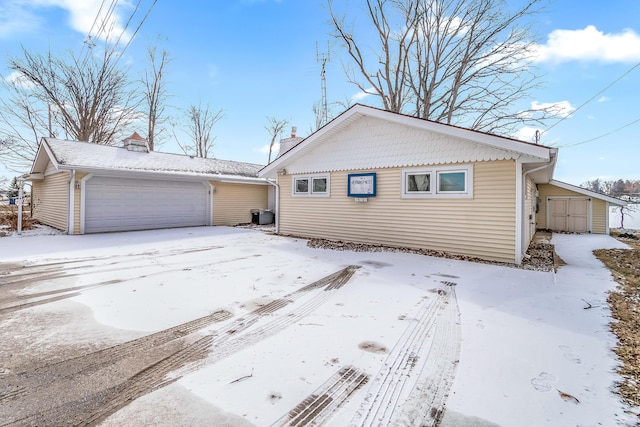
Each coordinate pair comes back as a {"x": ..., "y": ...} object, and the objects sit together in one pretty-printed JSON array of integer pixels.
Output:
[
  {"x": 569, "y": 214},
  {"x": 120, "y": 204}
]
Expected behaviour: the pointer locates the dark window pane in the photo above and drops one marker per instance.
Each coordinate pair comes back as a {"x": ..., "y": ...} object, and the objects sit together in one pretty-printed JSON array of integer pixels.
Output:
[
  {"x": 302, "y": 185},
  {"x": 418, "y": 182},
  {"x": 319, "y": 185}
]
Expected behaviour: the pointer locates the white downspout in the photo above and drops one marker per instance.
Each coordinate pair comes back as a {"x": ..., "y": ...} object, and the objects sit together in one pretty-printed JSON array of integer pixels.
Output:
[
  {"x": 277, "y": 204},
  {"x": 72, "y": 192},
  {"x": 523, "y": 250},
  {"x": 212, "y": 189}
]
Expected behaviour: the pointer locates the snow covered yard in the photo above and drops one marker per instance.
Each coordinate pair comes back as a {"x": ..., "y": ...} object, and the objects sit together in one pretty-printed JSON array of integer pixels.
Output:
[{"x": 224, "y": 326}]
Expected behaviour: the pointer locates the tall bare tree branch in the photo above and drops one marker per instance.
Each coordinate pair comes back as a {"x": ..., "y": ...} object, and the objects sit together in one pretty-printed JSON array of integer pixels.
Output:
[
  {"x": 275, "y": 128},
  {"x": 463, "y": 62},
  {"x": 155, "y": 93},
  {"x": 200, "y": 122}
]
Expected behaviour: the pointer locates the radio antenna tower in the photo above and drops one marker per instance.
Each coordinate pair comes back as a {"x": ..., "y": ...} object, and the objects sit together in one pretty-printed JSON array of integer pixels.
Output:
[{"x": 323, "y": 58}]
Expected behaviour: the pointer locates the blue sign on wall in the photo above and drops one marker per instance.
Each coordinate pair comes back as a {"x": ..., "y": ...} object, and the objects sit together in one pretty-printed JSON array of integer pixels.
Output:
[{"x": 361, "y": 185}]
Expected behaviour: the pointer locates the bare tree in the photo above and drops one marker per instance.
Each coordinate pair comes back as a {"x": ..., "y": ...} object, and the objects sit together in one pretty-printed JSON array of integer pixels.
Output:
[
  {"x": 275, "y": 128},
  {"x": 464, "y": 62},
  {"x": 24, "y": 120},
  {"x": 200, "y": 122},
  {"x": 155, "y": 93},
  {"x": 91, "y": 96}
]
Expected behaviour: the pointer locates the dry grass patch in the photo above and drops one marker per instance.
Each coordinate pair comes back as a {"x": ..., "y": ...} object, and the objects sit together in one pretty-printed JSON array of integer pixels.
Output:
[
  {"x": 9, "y": 219},
  {"x": 624, "y": 264}
]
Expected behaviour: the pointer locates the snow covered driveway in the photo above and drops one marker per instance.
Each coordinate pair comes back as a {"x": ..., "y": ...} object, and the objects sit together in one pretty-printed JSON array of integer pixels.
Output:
[{"x": 224, "y": 326}]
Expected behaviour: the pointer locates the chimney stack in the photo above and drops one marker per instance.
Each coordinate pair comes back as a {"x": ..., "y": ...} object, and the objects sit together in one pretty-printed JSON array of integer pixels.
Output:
[{"x": 288, "y": 143}]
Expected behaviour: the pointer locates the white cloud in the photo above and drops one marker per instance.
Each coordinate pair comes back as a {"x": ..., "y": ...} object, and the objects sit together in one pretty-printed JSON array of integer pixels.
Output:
[
  {"x": 265, "y": 149},
  {"x": 18, "y": 79},
  {"x": 15, "y": 19},
  {"x": 362, "y": 95},
  {"x": 589, "y": 44},
  {"x": 561, "y": 108},
  {"x": 526, "y": 134},
  {"x": 23, "y": 17},
  {"x": 603, "y": 99}
]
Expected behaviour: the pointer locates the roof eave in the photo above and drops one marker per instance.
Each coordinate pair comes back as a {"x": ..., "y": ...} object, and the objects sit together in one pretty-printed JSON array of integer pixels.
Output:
[
  {"x": 163, "y": 174},
  {"x": 40, "y": 162},
  {"x": 570, "y": 187},
  {"x": 534, "y": 152}
]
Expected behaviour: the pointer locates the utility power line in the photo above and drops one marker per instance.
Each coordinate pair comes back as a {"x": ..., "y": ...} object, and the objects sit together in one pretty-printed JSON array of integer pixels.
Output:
[
  {"x": 592, "y": 98},
  {"x": 603, "y": 135}
]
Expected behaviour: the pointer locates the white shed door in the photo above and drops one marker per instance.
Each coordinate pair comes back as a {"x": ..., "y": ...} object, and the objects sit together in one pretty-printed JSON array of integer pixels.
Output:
[
  {"x": 569, "y": 214},
  {"x": 121, "y": 204}
]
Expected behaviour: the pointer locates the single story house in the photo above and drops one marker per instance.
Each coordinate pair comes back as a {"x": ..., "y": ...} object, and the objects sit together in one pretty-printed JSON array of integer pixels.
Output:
[
  {"x": 83, "y": 188},
  {"x": 378, "y": 177}
]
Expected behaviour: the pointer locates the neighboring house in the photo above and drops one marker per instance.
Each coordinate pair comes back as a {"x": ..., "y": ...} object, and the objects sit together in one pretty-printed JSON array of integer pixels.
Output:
[
  {"x": 378, "y": 177},
  {"x": 83, "y": 188}
]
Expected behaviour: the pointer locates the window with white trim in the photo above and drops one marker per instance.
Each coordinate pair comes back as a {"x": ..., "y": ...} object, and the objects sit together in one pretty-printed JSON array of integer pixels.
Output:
[
  {"x": 444, "y": 182},
  {"x": 311, "y": 186}
]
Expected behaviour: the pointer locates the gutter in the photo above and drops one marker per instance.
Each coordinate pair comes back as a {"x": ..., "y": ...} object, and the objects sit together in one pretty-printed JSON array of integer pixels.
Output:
[{"x": 277, "y": 204}]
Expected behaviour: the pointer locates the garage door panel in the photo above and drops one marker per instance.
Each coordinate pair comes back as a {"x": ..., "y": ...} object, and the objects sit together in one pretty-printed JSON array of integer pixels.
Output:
[{"x": 122, "y": 204}]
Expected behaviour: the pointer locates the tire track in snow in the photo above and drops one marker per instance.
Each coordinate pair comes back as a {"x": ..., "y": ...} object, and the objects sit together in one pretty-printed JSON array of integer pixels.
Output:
[
  {"x": 64, "y": 293},
  {"x": 226, "y": 345},
  {"x": 31, "y": 382},
  {"x": 413, "y": 383},
  {"x": 95, "y": 406},
  {"x": 326, "y": 400}
]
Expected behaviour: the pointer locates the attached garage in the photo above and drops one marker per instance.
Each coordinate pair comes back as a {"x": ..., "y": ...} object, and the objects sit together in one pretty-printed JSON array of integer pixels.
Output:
[
  {"x": 120, "y": 204},
  {"x": 567, "y": 208},
  {"x": 80, "y": 188}
]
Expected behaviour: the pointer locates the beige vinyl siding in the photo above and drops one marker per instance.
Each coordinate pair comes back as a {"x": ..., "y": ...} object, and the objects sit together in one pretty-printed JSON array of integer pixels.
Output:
[
  {"x": 232, "y": 203},
  {"x": 599, "y": 210},
  {"x": 51, "y": 199},
  {"x": 598, "y": 207},
  {"x": 483, "y": 226}
]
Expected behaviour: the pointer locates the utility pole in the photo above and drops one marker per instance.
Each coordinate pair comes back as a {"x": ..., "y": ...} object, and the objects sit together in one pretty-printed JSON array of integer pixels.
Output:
[{"x": 323, "y": 58}]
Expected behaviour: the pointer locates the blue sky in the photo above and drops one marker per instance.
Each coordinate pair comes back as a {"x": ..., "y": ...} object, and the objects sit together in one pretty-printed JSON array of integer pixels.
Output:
[{"x": 257, "y": 58}]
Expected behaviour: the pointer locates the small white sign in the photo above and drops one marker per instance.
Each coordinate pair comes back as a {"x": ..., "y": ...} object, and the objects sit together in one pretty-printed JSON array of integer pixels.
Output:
[{"x": 360, "y": 199}]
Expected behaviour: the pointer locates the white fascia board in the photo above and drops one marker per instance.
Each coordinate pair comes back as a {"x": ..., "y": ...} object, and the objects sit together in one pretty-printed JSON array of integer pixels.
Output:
[
  {"x": 44, "y": 150},
  {"x": 589, "y": 193},
  {"x": 177, "y": 176},
  {"x": 539, "y": 151},
  {"x": 527, "y": 149},
  {"x": 307, "y": 143},
  {"x": 536, "y": 152}
]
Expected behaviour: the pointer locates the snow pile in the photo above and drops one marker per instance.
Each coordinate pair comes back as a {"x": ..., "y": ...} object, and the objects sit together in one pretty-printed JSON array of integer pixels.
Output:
[{"x": 94, "y": 156}]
